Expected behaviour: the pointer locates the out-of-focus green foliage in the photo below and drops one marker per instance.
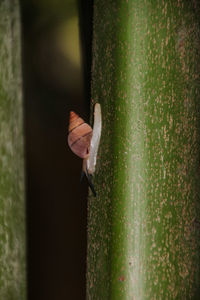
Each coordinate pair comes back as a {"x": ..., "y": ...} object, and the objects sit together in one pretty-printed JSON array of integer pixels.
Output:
[
  {"x": 67, "y": 36},
  {"x": 48, "y": 11},
  {"x": 52, "y": 29}
]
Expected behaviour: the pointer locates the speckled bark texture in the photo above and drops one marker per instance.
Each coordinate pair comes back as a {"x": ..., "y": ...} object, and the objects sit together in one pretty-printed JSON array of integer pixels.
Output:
[
  {"x": 12, "y": 211},
  {"x": 144, "y": 224}
]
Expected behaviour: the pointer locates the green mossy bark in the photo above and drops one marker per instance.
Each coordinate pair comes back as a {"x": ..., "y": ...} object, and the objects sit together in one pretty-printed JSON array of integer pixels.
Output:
[
  {"x": 12, "y": 204},
  {"x": 144, "y": 225}
]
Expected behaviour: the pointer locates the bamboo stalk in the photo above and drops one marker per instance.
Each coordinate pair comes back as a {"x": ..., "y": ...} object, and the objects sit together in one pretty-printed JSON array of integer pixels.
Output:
[
  {"x": 12, "y": 204},
  {"x": 143, "y": 227}
]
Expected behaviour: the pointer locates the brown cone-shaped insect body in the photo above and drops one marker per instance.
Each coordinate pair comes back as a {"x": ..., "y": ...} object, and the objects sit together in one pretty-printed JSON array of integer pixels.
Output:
[{"x": 80, "y": 134}]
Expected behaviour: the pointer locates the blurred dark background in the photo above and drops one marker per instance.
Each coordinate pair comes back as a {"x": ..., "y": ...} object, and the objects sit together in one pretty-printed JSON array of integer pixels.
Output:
[{"x": 54, "y": 84}]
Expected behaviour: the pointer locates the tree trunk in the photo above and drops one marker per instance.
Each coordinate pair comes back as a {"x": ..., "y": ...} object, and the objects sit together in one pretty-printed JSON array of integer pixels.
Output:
[
  {"x": 12, "y": 205},
  {"x": 144, "y": 225}
]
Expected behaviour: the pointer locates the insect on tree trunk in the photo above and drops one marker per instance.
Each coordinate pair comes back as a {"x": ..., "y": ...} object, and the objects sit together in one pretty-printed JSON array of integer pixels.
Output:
[
  {"x": 144, "y": 224},
  {"x": 12, "y": 205}
]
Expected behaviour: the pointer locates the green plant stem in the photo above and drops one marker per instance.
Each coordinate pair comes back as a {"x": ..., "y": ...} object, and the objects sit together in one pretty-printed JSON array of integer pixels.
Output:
[
  {"x": 12, "y": 204},
  {"x": 144, "y": 225}
]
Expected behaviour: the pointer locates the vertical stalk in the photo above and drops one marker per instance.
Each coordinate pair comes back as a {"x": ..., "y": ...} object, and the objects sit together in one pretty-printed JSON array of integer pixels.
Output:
[
  {"x": 143, "y": 227},
  {"x": 12, "y": 210}
]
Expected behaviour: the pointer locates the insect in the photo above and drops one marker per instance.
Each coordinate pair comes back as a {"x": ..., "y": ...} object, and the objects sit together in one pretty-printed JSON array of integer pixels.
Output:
[{"x": 84, "y": 141}]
